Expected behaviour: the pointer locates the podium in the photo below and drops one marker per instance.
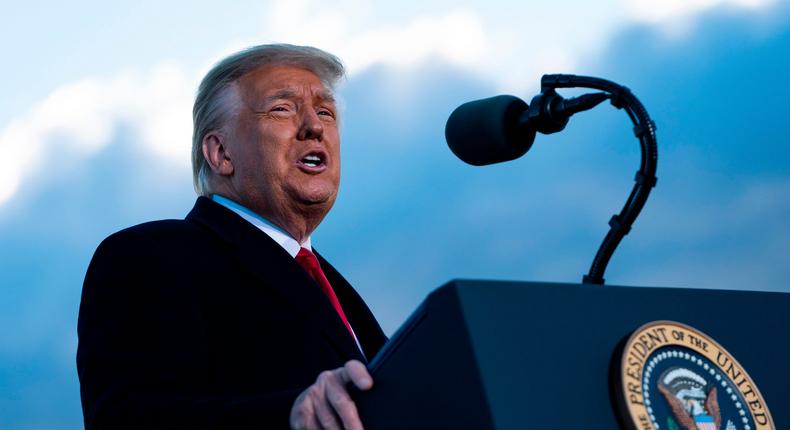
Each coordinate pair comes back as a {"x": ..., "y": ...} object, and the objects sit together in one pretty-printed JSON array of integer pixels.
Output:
[{"x": 521, "y": 355}]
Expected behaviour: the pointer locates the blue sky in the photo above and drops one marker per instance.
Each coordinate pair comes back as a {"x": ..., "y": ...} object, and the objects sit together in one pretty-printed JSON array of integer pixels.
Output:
[{"x": 95, "y": 130}]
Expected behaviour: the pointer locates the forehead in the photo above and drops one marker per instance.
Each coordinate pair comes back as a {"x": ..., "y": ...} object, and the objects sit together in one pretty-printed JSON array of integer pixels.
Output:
[{"x": 265, "y": 82}]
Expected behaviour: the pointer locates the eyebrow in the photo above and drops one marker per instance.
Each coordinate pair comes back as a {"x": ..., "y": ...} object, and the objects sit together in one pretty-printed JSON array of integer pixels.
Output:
[{"x": 287, "y": 93}]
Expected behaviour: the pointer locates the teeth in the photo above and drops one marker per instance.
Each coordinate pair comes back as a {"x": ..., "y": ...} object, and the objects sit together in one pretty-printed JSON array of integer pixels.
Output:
[{"x": 311, "y": 160}]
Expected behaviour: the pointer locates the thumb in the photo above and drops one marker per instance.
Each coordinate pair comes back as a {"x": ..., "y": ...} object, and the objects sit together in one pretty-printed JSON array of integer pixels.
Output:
[{"x": 358, "y": 374}]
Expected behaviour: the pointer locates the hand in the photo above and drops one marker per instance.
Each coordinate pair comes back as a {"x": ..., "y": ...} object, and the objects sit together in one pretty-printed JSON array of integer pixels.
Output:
[{"x": 321, "y": 405}]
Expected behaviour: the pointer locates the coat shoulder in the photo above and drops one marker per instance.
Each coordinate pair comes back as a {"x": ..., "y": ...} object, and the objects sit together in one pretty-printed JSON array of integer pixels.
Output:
[
  {"x": 157, "y": 236},
  {"x": 156, "y": 249},
  {"x": 157, "y": 230}
]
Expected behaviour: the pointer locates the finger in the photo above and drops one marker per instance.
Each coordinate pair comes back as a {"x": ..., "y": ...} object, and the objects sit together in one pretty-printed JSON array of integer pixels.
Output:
[
  {"x": 303, "y": 412},
  {"x": 326, "y": 417},
  {"x": 357, "y": 373},
  {"x": 324, "y": 411},
  {"x": 299, "y": 411},
  {"x": 312, "y": 423},
  {"x": 341, "y": 402}
]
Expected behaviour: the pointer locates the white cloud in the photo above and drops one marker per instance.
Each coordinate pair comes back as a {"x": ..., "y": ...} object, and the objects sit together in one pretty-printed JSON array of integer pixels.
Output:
[
  {"x": 165, "y": 114},
  {"x": 19, "y": 147},
  {"x": 82, "y": 116},
  {"x": 655, "y": 11},
  {"x": 510, "y": 44},
  {"x": 456, "y": 36},
  {"x": 487, "y": 41}
]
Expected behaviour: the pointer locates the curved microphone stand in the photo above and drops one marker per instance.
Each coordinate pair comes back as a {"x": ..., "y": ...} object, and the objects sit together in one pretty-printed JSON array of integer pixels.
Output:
[{"x": 645, "y": 130}]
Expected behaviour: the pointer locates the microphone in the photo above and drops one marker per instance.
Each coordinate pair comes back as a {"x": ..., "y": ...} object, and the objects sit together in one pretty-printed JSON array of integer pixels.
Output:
[{"x": 503, "y": 128}]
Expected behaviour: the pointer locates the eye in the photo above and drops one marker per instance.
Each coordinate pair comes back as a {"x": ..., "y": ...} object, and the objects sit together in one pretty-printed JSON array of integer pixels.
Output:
[
  {"x": 281, "y": 107},
  {"x": 329, "y": 113}
]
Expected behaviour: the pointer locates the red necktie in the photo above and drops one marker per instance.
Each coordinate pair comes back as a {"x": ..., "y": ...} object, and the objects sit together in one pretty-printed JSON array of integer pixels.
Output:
[{"x": 309, "y": 262}]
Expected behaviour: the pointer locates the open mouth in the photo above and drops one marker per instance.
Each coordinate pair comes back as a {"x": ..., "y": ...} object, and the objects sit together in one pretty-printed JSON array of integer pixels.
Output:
[{"x": 314, "y": 161}]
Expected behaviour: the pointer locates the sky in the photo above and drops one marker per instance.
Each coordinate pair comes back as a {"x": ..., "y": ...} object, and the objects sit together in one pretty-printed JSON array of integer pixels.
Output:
[{"x": 95, "y": 131}]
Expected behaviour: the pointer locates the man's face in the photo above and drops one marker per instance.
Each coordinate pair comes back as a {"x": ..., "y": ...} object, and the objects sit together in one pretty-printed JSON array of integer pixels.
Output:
[{"x": 284, "y": 145}]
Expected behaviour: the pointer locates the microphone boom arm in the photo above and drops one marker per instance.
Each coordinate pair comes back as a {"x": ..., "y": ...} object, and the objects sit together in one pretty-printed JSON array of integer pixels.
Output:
[{"x": 644, "y": 130}]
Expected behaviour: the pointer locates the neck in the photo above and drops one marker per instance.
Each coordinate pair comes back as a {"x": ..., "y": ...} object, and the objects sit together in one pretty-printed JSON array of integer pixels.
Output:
[
  {"x": 297, "y": 219},
  {"x": 300, "y": 227}
]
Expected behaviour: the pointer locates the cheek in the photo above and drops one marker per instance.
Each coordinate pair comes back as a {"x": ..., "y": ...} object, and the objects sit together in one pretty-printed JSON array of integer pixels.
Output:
[
  {"x": 334, "y": 143},
  {"x": 267, "y": 147},
  {"x": 275, "y": 145},
  {"x": 258, "y": 166}
]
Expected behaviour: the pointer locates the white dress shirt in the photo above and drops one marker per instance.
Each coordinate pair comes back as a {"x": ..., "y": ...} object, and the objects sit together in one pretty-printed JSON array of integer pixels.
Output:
[{"x": 277, "y": 234}]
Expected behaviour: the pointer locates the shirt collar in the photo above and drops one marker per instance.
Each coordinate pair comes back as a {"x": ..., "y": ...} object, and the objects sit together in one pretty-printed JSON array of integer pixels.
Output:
[{"x": 275, "y": 232}]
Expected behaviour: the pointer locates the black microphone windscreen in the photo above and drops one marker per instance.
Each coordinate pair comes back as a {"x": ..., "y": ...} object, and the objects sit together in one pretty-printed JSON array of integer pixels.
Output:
[{"x": 488, "y": 131}]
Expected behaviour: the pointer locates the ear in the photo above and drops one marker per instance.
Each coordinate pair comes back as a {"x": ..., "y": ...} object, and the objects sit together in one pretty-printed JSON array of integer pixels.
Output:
[{"x": 216, "y": 154}]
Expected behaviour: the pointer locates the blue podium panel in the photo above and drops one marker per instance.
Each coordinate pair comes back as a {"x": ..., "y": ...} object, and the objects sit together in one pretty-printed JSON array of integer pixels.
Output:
[{"x": 519, "y": 355}]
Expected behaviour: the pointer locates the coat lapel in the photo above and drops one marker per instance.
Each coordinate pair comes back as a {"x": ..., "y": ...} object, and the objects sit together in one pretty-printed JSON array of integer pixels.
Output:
[
  {"x": 267, "y": 261},
  {"x": 367, "y": 329}
]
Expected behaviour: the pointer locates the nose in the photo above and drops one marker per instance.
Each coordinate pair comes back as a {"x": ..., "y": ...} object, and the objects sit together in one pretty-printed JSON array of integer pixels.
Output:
[{"x": 311, "y": 126}]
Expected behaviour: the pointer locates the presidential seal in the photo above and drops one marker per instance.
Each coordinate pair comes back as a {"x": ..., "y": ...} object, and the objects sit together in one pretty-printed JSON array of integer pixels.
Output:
[{"x": 674, "y": 377}]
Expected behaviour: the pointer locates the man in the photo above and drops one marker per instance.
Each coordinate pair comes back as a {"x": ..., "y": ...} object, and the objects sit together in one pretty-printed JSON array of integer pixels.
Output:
[{"x": 226, "y": 319}]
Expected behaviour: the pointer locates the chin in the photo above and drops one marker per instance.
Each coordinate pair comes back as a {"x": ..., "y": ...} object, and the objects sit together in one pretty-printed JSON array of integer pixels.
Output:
[
  {"x": 317, "y": 194},
  {"x": 320, "y": 201},
  {"x": 317, "y": 199}
]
